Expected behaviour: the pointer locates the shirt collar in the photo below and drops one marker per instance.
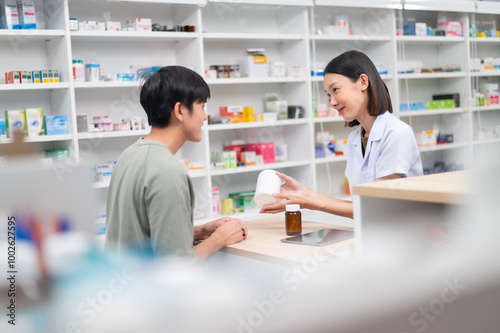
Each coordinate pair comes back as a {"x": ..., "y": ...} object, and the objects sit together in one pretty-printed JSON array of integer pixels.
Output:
[{"x": 379, "y": 125}]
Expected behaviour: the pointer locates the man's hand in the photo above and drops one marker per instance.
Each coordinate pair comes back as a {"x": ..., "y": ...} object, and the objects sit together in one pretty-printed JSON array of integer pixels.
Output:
[{"x": 210, "y": 227}]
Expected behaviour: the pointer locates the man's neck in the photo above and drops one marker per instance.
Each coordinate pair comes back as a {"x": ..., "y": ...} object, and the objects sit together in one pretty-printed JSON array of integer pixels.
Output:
[{"x": 169, "y": 136}]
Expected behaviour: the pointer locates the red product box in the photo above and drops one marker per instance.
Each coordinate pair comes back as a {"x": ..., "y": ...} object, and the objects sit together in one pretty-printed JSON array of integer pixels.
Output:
[
  {"x": 14, "y": 77},
  {"x": 266, "y": 149}
]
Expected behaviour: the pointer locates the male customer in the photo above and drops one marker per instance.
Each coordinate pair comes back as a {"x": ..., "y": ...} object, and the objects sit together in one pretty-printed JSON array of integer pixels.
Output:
[{"x": 150, "y": 199}]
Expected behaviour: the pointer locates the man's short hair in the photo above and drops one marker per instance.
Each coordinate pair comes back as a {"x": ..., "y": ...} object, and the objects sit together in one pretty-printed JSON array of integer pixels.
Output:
[{"x": 169, "y": 85}]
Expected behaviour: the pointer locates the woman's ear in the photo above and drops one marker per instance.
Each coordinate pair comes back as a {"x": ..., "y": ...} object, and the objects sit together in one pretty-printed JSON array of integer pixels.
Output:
[{"x": 364, "y": 82}]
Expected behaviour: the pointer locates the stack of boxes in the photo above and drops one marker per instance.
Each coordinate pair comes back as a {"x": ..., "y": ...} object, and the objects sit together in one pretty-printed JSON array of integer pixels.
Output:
[
  {"x": 28, "y": 77},
  {"x": 33, "y": 123}
]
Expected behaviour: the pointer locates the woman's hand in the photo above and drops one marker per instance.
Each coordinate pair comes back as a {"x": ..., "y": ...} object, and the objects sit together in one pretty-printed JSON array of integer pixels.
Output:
[{"x": 291, "y": 192}]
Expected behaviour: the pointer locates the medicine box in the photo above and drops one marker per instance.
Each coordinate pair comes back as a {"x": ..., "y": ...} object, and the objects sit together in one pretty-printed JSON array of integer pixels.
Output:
[
  {"x": 113, "y": 26},
  {"x": 73, "y": 24},
  {"x": 35, "y": 124},
  {"x": 56, "y": 124},
  {"x": 89, "y": 25},
  {"x": 15, "y": 120},
  {"x": 255, "y": 66},
  {"x": 61, "y": 155},
  {"x": 100, "y": 26},
  {"x": 37, "y": 76},
  {"x": 215, "y": 201},
  {"x": 26, "y": 11},
  {"x": 440, "y": 104},
  {"x": 13, "y": 77},
  {"x": 451, "y": 28},
  {"x": 45, "y": 76},
  {"x": 3, "y": 129},
  {"x": 139, "y": 24},
  {"x": 82, "y": 123},
  {"x": 9, "y": 17}
]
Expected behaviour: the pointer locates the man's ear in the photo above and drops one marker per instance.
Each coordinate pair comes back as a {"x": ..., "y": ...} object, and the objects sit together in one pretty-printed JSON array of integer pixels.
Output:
[{"x": 178, "y": 112}]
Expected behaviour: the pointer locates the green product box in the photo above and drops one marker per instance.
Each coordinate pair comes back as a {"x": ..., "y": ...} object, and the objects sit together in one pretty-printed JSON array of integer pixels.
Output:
[
  {"x": 243, "y": 200},
  {"x": 440, "y": 104},
  {"x": 61, "y": 155},
  {"x": 15, "y": 120}
]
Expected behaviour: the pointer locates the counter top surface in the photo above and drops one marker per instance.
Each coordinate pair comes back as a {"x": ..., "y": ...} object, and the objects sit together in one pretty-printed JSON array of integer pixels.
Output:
[
  {"x": 445, "y": 188},
  {"x": 264, "y": 242}
]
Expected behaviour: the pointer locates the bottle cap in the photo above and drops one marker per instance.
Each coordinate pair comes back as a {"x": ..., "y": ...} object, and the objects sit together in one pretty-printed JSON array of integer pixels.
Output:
[{"x": 293, "y": 208}]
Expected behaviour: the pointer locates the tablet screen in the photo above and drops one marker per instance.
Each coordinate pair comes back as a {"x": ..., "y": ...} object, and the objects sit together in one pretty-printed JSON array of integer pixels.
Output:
[{"x": 321, "y": 237}]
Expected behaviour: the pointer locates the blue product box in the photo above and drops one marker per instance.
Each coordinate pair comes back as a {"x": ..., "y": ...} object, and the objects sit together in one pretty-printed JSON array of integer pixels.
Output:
[
  {"x": 144, "y": 72},
  {"x": 56, "y": 124},
  {"x": 3, "y": 129},
  {"x": 319, "y": 152}
]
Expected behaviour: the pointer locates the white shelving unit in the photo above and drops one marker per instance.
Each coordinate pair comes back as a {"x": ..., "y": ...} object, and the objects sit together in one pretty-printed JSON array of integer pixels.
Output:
[{"x": 290, "y": 31}]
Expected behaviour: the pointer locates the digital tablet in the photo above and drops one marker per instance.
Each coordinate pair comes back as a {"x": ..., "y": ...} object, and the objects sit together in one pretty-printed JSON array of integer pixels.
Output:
[{"x": 320, "y": 237}]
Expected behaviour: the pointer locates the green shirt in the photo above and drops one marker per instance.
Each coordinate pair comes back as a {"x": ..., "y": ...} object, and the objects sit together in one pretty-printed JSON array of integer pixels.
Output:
[{"x": 150, "y": 202}]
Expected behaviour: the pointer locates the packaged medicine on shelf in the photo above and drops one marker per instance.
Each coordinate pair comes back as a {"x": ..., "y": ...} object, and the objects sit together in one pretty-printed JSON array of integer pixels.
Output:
[
  {"x": 26, "y": 11},
  {"x": 9, "y": 16},
  {"x": 13, "y": 77},
  {"x": 140, "y": 24},
  {"x": 15, "y": 120},
  {"x": 215, "y": 201},
  {"x": 277, "y": 69},
  {"x": 100, "y": 26},
  {"x": 113, "y": 26},
  {"x": 3, "y": 129},
  {"x": 89, "y": 25},
  {"x": 255, "y": 64},
  {"x": 45, "y": 76},
  {"x": 56, "y": 124},
  {"x": 73, "y": 24},
  {"x": 92, "y": 72},
  {"x": 35, "y": 124},
  {"x": 82, "y": 123},
  {"x": 451, "y": 28},
  {"x": 37, "y": 76}
]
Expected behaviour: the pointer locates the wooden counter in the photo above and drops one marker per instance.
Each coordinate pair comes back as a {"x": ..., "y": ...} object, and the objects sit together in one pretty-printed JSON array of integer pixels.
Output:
[
  {"x": 444, "y": 188},
  {"x": 264, "y": 242}
]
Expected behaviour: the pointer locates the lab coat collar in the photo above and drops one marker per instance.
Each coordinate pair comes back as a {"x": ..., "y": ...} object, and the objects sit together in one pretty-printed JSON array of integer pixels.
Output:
[{"x": 378, "y": 128}]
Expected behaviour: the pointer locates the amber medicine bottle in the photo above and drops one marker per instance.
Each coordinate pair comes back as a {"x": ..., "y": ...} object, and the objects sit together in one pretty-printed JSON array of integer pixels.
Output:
[{"x": 293, "y": 220}]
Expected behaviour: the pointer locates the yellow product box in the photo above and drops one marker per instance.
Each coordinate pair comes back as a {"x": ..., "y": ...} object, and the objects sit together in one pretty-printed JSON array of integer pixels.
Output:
[
  {"x": 35, "y": 123},
  {"x": 45, "y": 76}
]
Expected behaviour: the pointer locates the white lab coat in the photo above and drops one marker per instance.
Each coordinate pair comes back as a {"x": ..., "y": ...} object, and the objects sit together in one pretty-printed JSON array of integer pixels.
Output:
[{"x": 391, "y": 148}]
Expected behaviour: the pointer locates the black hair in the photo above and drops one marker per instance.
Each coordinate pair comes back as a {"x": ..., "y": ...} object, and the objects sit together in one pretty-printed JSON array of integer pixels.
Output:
[
  {"x": 354, "y": 63},
  {"x": 169, "y": 85}
]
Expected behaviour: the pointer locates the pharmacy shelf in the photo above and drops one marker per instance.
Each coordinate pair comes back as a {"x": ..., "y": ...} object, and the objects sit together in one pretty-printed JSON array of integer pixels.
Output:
[
  {"x": 98, "y": 185},
  {"x": 486, "y": 108},
  {"x": 389, "y": 4},
  {"x": 225, "y": 37},
  {"x": 442, "y": 75},
  {"x": 445, "y": 146},
  {"x": 486, "y": 73},
  {"x": 357, "y": 38},
  {"x": 279, "y": 165},
  {"x": 131, "y": 36},
  {"x": 99, "y": 85},
  {"x": 246, "y": 80},
  {"x": 33, "y": 86},
  {"x": 431, "y": 112},
  {"x": 486, "y": 141},
  {"x": 187, "y": 2},
  {"x": 42, "y": 138},
  {"x": 320, "y": 78},
  {"x": 256, "y": 124},
  {"x": 333, "y": 119},
  {"x": 430, "y": 39},
  {"x": 23, "y": 36},
  {"x": 330, "y": 159},
  {"x": 192, "y": 174},
  {"x": 485, "y": 39},
  {"x": 114, "y": 134},
  {"x": 441, "y": 5}
]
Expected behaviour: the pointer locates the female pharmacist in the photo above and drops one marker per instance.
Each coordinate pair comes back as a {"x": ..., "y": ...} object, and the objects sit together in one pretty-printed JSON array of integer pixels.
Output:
[{"x": 383, "y": 147}]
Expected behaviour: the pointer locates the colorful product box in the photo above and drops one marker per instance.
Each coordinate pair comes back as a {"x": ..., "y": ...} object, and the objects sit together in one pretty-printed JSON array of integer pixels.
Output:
[
  {"x": 56, "y": 124},
  {"x": 215, "y": 201},
  {"x": 140, "y": 24},
  {"x": 61, "y": 155},
  {"x": 3, "y": 129},
  {"x": 26, "y": 11},
  {"x": 451, "y": 28},
  {"x": 89, "y": 25},
  {"x": 45, "y": 76},
  {"x": 14, "y": 77},
  {"x": 37, "y": 76},
  {"x": 15, "y": 120},
  {"x": 9, "y": 17},
  {"x": 35, "y": 123},
  {"x": 113, "y": 26}
]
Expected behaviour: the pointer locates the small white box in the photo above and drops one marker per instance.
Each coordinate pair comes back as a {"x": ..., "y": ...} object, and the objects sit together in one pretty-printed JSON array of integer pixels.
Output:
[
  {"x": 277, "y": 69},
  {"x": 113, "y": 26},
  {"x": 89, "y": 25},
  {"x": 100, "y": 26},
  {"x": 140, "y": 24},
  {"x": 420, "y": 29},
  {"x": 73, "y": 24},
  {"x": 255, "y": 66}
]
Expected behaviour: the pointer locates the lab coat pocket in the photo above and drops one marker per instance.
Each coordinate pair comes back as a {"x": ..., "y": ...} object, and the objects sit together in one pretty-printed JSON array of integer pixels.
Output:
[{"x": 368, "y": 175}]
